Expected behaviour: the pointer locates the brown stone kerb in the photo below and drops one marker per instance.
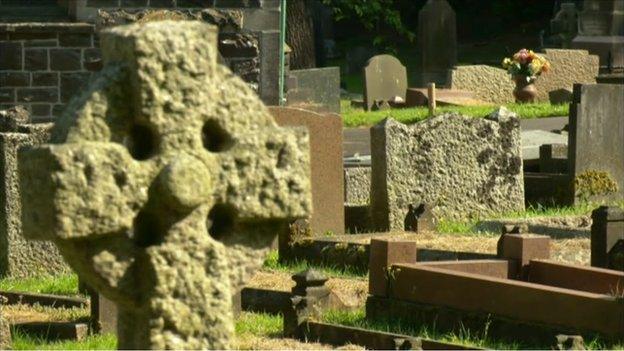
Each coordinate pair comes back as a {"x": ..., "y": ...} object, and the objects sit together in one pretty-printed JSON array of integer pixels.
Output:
[{"x": 41, "y": 27}]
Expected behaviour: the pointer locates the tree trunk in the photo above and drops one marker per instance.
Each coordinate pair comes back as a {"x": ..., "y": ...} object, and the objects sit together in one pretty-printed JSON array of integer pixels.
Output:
[{"x": 300, "y": 34}]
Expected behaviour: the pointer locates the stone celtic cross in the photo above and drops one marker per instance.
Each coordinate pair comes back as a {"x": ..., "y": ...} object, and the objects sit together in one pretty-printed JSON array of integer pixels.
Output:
[{"x": 164, "y": 183}]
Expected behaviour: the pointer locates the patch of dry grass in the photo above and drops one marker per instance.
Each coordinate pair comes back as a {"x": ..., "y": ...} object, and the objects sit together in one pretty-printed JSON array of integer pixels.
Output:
[{"x": 26, "y": 313}]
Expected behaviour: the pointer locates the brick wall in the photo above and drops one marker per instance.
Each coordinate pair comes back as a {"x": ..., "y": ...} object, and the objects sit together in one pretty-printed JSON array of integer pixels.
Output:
[{"x": 43, "y": 65}]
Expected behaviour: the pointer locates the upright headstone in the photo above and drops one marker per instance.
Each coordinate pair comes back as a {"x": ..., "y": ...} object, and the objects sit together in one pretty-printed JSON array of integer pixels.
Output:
[
  {"x": 385, "y": 79},
  {"x": 165, "y": 184},
  {"x": 325, "y": 165},
  {"x": 595, "y": 142},
  {"x": 19, "y": 257},
  {"x": 459, "y": 166},
  {"x": 436, "y": 41},
  {"x": 564, "y": 25},
  {"x": 601, "y": 31},
  {"x": 607, "y": 238},
  {"x": 315, "y": 89}
]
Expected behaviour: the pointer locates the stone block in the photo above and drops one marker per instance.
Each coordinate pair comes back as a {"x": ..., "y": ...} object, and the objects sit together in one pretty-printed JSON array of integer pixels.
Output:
[
  {"x": 326, "y": 176},
  {"x": 72, "y": 84},
  {"x": 607, "y": 232},
  {"x": 162, "y": 3},
  {"x": 65, "y": 59},
  {"x": 494, "y": 85},
  {"x": 522, "y": 248},
  {"x": 45, "y": 79},
  {"x": 460, "y": 166},
  {"x": 14, "y": 79},
  {"x": 133, "y": 3},
  {"x": 41, "y": 110},
  {"x": 568, "y": 67},
  {"x": 385, "y": 79},
  {"x": 7, "y": 95},
  {"x": 238, "y": 45},
  {"x": 487, "y": 83},
  {"x": 28, "y": 95},
  {"x": 383, "y": 254},
  {"x": 596, "y": 136},
  {"x": 10, "y": 55},
  {"x": 76, "y": 40},
  {"x": 317, "y": 89},
  {"x": 357, "y": 183},
  {"x": 36, "y": 59}
]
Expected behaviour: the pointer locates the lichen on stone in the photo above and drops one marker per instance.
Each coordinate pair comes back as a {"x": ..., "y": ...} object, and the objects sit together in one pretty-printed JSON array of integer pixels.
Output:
[{"x": 594, "y": 183}]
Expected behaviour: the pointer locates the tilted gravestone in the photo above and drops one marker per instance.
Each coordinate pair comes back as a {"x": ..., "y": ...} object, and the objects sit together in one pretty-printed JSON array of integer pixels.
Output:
[
  {"x": 437, "y": 42},
  {"x": 164, "y": 185},
  {"x": 458, "y": 166},
  {"x": 325, "y": 131},
  {"x": 595, "y": 140},
  {"x": 385, "y": 78}
]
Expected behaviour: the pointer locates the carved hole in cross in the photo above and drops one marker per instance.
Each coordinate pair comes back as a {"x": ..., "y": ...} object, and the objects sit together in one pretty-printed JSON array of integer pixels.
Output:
[
  {"x": 215, "y": 138},
  {"x": 147, "y": 229},
  {"x": 141, "y": 141},
  {"x": 221, "y": 221}
]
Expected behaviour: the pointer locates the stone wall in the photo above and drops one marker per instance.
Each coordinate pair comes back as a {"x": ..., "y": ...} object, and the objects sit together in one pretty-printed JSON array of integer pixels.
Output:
[
  {"x": 43, "y": 65},
  {"x": 494, "y": 85}
]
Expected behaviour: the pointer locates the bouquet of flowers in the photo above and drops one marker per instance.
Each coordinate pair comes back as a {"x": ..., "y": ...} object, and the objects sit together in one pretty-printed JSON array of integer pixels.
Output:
[{"x": 526, "y": 64}]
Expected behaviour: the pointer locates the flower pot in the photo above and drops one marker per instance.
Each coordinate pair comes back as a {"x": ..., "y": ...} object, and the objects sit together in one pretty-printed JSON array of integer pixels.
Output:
[{"x": 525, "y": 92}]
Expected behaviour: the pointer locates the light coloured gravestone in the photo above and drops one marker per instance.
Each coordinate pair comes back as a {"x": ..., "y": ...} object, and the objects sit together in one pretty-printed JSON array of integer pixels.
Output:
[
  {"x": 385, "y": 79},
  {"x": 164, "y": 184},
  {"x": 437, "y": 42},
  {"x": 458, "y": 166},
  {"x": 492, "y": 84}
]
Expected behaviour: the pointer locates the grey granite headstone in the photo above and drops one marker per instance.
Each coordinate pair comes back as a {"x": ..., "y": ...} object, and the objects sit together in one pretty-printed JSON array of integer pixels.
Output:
[
  {"x": 564, "y": 25},
  {"x": 385, "y": 79},
  {"x": 460, "y": 166},
  {"x": 437, "y": 42},
  {"x": 601, "y": 31},
  {"x": 596, "y": 140}
]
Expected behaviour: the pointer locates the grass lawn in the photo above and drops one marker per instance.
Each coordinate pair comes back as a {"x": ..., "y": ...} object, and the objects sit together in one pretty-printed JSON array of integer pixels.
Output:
[
  {"x": 272, "y": 263},
  {"x": 357, "y": 117},
  {"x": 92, "y": 342},
  {"x": 468, "y": 227},
  {"x": 66, "y": 284},
  {"x": 464, "y": 337}
]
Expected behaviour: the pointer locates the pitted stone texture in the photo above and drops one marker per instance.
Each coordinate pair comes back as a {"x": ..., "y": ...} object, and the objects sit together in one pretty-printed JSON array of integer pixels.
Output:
[
  {"x": 461, "y": 166},
  {"x": 19, "y": 257},
  {"x": 165, "y": 183},
  {"x": 567, "y": 68},
  {"x": 489, "y": 84},
  {"x": 357, "y": 186},
  {"x": 494, "y": 85}
]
